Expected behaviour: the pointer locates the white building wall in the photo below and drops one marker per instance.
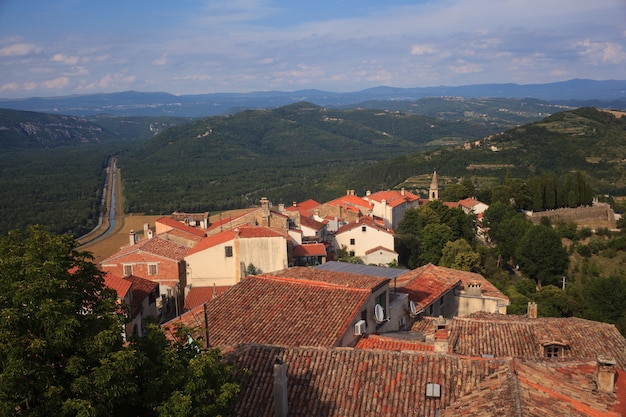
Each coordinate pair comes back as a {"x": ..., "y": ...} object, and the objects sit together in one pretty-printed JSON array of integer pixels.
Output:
[
  {"x": 212, "y": 267},
  {"x": 364, "y": 240}
]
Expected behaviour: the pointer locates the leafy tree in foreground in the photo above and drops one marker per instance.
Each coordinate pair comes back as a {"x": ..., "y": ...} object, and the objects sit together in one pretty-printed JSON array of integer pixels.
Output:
[
  {"x": 460, "y": 255},
  {"x": 541, "y": 255},
  {"x": 61, "y": 349}
]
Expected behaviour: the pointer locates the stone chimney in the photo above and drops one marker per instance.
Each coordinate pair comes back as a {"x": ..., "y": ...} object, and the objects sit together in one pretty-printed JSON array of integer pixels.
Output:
[
  {"x": 368, "y": 193},
  {"x": 441, "y": 335},
  {"x": 281, "y": 408},
  {"x": 132, "y": 237},
  {"x": 605, "y": 374},
  {"x": 474, "y": 288},
  {"x": 281, "y": 207},
  {"x": 402, "y": 191},
  {"x": 532, "y": 310}
]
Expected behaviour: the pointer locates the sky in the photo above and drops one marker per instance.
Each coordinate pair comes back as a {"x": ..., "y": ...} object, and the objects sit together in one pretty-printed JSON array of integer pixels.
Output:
[{"x": 64, "y": 47}]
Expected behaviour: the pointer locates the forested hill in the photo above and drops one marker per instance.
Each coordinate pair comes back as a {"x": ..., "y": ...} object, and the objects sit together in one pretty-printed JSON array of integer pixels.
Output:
[
  {"x": 292, "y": 152},
  {"x": 25, "y": 129},
  {"x": 586, "y": 140}
]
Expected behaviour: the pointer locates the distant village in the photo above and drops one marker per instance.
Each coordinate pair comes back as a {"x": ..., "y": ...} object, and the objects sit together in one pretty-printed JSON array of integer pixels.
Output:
[{"x": 318, "y": 337}]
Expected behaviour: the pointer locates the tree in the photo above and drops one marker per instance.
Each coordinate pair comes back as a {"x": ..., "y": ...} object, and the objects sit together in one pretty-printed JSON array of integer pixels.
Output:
[
  {"x": 460, "y": 255},
  {"x": 61, "y": 349},
  {"x": 434, "y": 238},
  {"x": 541, "y": 255}
]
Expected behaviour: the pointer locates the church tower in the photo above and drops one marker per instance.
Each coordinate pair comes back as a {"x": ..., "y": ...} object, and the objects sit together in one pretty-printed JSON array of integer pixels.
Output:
[{"x": 433, "y": 193}]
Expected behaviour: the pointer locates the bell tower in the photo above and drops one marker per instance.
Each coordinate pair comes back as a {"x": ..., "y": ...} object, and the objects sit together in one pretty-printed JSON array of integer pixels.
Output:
[{"x": 433, "y": 192}]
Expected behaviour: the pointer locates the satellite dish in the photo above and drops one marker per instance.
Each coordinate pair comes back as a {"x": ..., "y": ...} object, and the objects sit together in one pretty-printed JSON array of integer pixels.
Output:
[
  {"x": 413, "y": 308},
  {"x": 379, "y": 313}
]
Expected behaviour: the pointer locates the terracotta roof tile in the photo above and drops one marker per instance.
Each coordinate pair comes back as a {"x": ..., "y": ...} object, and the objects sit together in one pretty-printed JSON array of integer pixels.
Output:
[
  {"x": 245, "y": 232},
  {"x": 393, "y": 198},
  {"x": 310, "y": 249},
  {"x": 427, "y": 283},
  {"x": 174, "y": 224},
  {"x": 386, "y": 342},
  {"x": 156, "y": 246},
  {"x": 300, "y": 311},
  {"x": 200, "y": 295},
  {"x": 364, "y": 221},
  {"x": 522, "y": 337},
  {"x": 355, "y": 382},
  {"x": 117, "y": 283}
]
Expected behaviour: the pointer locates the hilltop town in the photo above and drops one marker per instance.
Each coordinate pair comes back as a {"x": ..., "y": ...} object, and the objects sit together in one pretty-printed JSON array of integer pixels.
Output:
[{"x": 318, "y": 337}]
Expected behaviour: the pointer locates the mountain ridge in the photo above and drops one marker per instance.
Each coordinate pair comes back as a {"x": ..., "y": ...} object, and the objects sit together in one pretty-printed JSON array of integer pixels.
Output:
[{"x": 134, "y": 103}]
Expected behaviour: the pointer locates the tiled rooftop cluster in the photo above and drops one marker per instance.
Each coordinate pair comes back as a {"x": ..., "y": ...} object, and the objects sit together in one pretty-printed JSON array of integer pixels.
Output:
[
  {"x": 356, "y": 382},
  {"x": 522, "y": 337},
  {"x": 294, "y": 308}
]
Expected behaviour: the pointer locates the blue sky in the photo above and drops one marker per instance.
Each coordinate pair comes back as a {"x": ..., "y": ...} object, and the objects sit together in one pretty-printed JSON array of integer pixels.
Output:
[{"x": 62, "y": 47}]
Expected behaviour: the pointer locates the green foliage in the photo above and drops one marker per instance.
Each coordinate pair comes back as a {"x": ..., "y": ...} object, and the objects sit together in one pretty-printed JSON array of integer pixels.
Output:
[
  {"x": 61, "y": 349},
  {"x": 423, "y": 232},
  {"x": 460, "y": 255},
  {"x": 541, "y": 255}
]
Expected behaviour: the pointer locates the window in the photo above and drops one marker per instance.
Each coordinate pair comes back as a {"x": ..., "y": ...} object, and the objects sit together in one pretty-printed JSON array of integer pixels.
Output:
[
  {"x": 128, "y": 270},
  {"x": 351, "y": 253},
  {"x": 352, "y": 241},
  {"x": 228, "y": 251},
  {"x": 153, "y": 269},
  {"x": 553, "y": 351},
  {"x": 363, "y": 228}
]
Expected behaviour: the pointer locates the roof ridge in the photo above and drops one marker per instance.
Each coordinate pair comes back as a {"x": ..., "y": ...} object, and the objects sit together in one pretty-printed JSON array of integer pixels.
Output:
[{"x": 311, "y": 282}]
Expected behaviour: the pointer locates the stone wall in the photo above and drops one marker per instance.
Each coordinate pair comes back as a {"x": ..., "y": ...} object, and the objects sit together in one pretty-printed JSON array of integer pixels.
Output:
[{"x": 597, "y": 212}]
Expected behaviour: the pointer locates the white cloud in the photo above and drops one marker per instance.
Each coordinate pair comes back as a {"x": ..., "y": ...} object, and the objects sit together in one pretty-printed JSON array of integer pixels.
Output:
[
  {"x": 57, "y": 83},
  {"x": 9, "y": 87},
  {"x": 601, "y": 52},
  {"x": 422, "y": 49},
  {"x": 19, "y": 49},
  {"x": 64, "y": 59}
]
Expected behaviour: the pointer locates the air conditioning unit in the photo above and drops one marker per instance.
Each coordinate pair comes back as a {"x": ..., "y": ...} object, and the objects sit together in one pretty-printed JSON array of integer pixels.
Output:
[{"x": 360, "y": 327}]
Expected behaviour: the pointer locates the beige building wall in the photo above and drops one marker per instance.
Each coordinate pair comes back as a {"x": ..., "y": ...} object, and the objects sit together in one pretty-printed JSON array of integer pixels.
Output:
[
  {"x": 468, "y": 304},
  {"x": 266, "y": 254}
]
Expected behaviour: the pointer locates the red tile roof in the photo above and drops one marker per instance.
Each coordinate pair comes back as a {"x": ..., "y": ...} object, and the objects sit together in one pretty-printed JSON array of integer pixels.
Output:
[
  {"x": 311, "y": 223},
  {"x": 364, "y": 221},
  {"x": 468, "y": 202},
  {"x": 174, "y": 224},
  {"x": 352, "y": 202},
  {"x": 539, "y": 389},
  {"x": 388, "y": 343},
  {"x": 245, "y": 232},
  {"x": 427, "y": 283},
  {"x": 334, "y": 382},
  {"x": 155, "y": 246},
  {"x": 201, "y": 295},
  {"x": 393, "y": 198},
  {"x": 522, "y": 337},
  {"x": 377, "y": 248},
  {"x": 117, "y": 283},
  {"x": 305, "y": 208},
  {"x": 310, "y": 249},
  {"x": 294, "y": 309}
]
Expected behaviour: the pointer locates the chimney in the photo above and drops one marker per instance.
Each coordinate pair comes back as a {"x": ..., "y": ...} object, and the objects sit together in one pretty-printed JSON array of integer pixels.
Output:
[
  {"x": 441, "y": 335},
  {"x": 368, "y": 193},
  {"x": 532, "y": 310},
  {"x": 132, "y": 237},
  {"x": 402, "y": 191},
  {"x": 474, "y": 288},
  {"x": 280, "y": 389},
  {"x": 605, "y": 374}
]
